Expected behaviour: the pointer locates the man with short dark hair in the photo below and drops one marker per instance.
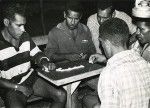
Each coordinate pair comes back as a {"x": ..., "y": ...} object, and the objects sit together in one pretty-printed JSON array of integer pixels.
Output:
[
  {"x": 105, "y": 11},
  {"x": 142, "y": 40},
  {"x": 124, "y": 82},
  {"x": 70, "y": 40},
  {"x": 18, "y": 81},
  {"x": 126, "y": 71}
]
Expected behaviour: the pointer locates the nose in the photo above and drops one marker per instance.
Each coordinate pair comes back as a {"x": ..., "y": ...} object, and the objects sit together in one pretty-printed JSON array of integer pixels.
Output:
[
  {"x": 73, "y": 21},
  {"x": 101, "y": 20},
  {"x": 22, "y": 28},
  {"x": 138, "y": 31}
]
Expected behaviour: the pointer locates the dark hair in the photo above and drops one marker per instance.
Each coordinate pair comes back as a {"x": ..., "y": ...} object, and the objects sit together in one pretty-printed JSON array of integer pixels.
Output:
[
  {"x": 115, "y": 30},
  {"x": 145, "y": 20},
  {"x": 11, "y": 9},
  {"x": 73, "y": 6},
  {"x": 104, "y": 4}
]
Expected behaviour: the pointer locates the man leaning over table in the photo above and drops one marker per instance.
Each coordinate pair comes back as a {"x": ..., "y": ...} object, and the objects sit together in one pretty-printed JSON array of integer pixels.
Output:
[
  {"x": 124, "y": 82},
  {"x": 70, "y": 40},
  {"x": 105, "y": 11},
  {"x": 140, "y": 43},
  {"x": 17, "y": 80}
]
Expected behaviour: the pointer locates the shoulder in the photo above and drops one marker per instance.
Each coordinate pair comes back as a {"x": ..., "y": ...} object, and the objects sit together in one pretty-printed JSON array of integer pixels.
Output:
[
  {"x": 25, "y": 37},
  {"x": 54, "y": 31},
  {"x": 122, "y": 15},
  {"x": 84, "y": 27},
  {"x": 92, "y": 17}
]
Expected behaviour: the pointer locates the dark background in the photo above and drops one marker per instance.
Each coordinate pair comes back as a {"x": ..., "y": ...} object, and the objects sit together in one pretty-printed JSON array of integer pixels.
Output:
[{"x": 42, "y": 15}]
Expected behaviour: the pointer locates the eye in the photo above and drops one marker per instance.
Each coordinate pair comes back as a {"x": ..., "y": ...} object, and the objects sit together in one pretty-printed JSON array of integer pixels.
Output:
[{"x": 19, "y": 25}]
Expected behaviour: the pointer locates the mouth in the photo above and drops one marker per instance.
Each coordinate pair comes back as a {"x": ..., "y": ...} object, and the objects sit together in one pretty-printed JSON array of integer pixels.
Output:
[{"x": 72, "y": 26}]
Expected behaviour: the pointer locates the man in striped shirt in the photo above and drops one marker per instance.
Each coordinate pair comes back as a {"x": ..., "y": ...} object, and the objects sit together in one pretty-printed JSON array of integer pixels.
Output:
[{"x": 17, "y": 80}]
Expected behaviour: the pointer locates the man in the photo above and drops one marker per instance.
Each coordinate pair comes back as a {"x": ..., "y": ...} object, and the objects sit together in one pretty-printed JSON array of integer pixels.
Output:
[
  {"x": 124, "y": 82},
  {"x": 142, "y": 41},
  {"x": 17, "y": 80},
  {"x": 70, "y": 40},
  {"x": 106, "y": 11}
]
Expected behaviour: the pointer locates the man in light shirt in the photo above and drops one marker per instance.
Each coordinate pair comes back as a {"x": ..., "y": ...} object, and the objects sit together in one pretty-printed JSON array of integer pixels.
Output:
[
  {"x": 125, "y": 81},
  {"x": 105, "y": 11}
]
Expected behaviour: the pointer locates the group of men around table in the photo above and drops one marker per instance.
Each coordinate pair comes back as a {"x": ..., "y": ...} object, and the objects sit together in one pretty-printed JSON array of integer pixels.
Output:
[{"x": 124, "y": 82}]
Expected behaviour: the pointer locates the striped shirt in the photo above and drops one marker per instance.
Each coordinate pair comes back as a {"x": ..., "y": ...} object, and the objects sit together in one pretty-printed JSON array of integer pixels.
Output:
[
  {"x": 93, "y": 25},
  {"x": 17, "y": 62},
  {"x": 125, "y": 82}
]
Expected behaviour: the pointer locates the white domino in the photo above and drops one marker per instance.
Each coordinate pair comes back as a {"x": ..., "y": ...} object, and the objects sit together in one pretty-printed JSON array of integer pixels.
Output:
[{"x": 69, "y": 69}]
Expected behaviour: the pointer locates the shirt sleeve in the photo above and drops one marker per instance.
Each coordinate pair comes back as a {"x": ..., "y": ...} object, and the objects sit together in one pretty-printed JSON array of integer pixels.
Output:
[
  {"x": 91, "y": 47},
  {"x": 52, "y": 45},
  {"x": 36, "y": 54},
  {"x": 128, "y": 20},
  {"x": 93, "y": 26},
  {"x": 34, "y": 49},
  {"x": 107, "y": 91}
]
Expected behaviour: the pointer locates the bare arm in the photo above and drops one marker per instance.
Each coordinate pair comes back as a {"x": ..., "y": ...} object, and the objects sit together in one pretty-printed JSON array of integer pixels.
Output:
[{"x": 9, "y": 85}]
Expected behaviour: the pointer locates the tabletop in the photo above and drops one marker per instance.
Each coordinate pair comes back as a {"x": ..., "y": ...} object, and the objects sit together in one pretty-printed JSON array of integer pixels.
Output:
[{"x": 61, "y": 78}]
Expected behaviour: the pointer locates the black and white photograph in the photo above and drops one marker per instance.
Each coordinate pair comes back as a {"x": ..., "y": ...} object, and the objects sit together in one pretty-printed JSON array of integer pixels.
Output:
[{"x": 74, "y": 53}]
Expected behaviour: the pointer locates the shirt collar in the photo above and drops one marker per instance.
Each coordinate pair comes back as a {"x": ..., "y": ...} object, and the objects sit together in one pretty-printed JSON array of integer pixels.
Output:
[
  {"x": 123, "y": 55},
  {"x": 63, "y": 25}
]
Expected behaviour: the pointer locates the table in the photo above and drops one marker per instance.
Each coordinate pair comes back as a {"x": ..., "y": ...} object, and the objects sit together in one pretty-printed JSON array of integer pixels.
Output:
[{"x": 70, "y": 78}]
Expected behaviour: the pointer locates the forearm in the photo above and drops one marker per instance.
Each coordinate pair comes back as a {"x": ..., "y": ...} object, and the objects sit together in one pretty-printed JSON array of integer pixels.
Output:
[
  {"x": 39, "y": 57},
  {"x": 7, "y": 84},
  {"x": 66, "y": 57},
  {"x": 59, "y": 57}
]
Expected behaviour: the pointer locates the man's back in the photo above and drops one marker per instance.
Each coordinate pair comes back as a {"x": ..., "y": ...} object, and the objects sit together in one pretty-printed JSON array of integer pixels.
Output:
[{"x": 126, "y": 80}]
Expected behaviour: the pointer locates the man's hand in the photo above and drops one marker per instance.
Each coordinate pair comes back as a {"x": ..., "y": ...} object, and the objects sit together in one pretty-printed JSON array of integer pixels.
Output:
[
  {"x": 46, "y": 65},
  {"x": 97, "y": 58},
  {"x": 27, "y": 91},
  {"x": 83, "y": 56}
]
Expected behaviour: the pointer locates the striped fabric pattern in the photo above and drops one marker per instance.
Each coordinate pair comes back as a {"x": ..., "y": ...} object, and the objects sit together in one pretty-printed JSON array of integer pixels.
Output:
[{"x": 14, "y": 62}]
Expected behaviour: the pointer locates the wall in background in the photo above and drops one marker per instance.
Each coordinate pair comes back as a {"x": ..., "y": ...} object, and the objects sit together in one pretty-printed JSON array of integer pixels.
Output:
[{"x": 43, "y": 15}]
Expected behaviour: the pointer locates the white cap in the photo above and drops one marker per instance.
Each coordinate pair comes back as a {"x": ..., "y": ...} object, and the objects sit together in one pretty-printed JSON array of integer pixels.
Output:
[{"x": 141, "y": 9}]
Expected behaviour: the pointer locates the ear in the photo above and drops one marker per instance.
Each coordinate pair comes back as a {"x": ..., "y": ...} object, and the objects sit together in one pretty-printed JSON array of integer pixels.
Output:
[
  {"x": 80, "y": 16},
  {"x": 6, "y": 22},
  {"x": 108, "y": 44},
  {"x": 65, "y": 14}
]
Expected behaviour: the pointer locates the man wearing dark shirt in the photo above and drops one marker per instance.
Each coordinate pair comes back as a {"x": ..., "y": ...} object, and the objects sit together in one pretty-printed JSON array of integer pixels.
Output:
[{"x": 70, "y": 40}]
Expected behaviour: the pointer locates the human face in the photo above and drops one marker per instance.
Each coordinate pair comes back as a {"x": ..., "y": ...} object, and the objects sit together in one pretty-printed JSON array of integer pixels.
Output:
[
  {"x": 16, "y": 27},
  {"x": 103, "y": 15},
  {"x": 143, "y": 33},
  {"x": 72, "y": 19}
]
